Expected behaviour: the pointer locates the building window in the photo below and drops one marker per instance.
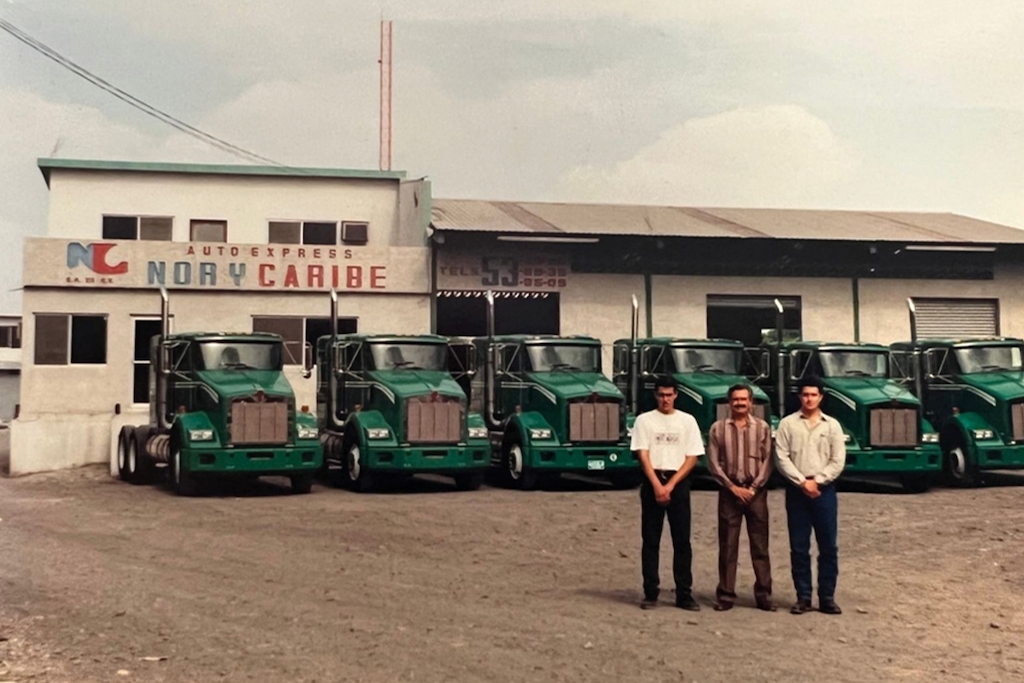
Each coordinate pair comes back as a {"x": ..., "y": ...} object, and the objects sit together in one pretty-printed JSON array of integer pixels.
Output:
[
  {"x": 70, "y": 339},
  {"x": 208, "y": 231},
  {"x": 154, "y": 228},
  {"x": 319, "y": 233},
  {"x": 297, "y": 332},
  {"x": 10, "y": 336},
  {"x": 285, "y": 232},
  {"x": 145, "y": 330},
  {"x": 355, "y": 233},
  {"x": 751, "y": 319}
]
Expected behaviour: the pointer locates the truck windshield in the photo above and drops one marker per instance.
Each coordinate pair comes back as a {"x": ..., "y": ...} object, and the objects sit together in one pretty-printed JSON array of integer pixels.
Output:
[
  {"x": 409, "y": 356},
  {"x": 551, "y": 358},
  {"x": 854, "y": 363},
  {"x": 726, "y": 361},
  {"x": 241, "y": 355},
  {"x": 989, "y": 359}
]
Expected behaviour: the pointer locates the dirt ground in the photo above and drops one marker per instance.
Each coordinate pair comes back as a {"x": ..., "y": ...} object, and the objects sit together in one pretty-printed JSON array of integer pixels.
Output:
[{"x": 102, "y": 581}]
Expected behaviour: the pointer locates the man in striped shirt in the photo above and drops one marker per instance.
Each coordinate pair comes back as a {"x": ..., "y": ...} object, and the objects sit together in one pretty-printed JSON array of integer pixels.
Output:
[{"x": 740, "y": 460}]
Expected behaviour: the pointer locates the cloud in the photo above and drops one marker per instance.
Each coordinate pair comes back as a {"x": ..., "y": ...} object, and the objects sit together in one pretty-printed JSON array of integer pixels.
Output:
[{"x": 772, "y": 156}]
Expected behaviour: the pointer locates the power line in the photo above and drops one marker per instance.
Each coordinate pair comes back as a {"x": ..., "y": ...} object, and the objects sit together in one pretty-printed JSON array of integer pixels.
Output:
[{"x": 130, "y": 99}]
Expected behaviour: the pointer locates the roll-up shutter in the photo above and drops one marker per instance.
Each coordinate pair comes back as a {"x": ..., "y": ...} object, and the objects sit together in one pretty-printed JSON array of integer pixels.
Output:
[{"x": 957, "y": 318}]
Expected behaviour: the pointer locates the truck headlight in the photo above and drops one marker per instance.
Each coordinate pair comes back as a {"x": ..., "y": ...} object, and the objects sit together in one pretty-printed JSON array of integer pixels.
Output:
[
  {"x": 930, "y": 438},
  {"x": 200, "y": 435},
  {"x": 307, "y": 432},
  {"x": 540, "y": 434},
  {"x": 478, "y": 432},
  {"x": 378, "y": 433},
  {"x": 982, "y": 434}
]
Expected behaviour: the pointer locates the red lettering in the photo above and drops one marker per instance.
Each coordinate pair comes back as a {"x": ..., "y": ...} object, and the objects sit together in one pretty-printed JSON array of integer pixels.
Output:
[
  {"x": 234, "y": 251},
  {"x": 270, "y": 252},
  {"x": 264, "y": 269},
  {"x": 353, "y": 277},
  {"x": 291, "y": 278},
  {"x": 255, "y": 252},
  {"x": 191, "y": 251},
  {"x": 302, "y": 253},
  {"x": 285, "y": 251},
  {"x": 207, "y": 251},
  {"x": 377, "y": 277},
  {"x": 332, "y": 254},
  {"x": 220, "y": 250},
  {"x": 316, "y": 253},
  {"x": 348, "y": 253},
  {"x": 334, "y": 276},
  {"x": 99, "y": 261},
  {"x": 315, "y": 277}
]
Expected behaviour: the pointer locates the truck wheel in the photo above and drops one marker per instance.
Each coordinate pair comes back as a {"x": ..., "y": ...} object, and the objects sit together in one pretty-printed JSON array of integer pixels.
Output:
[
  {"x": 959, "y": 470},
  {"x": 513, "y": 464},
  {"x": 915, "y": 483},
  {"x": 302, "y": 483},
  {"x": 469, "y": 482},
  {"x": 181, "y": 479},
  {"x": 625, "y": 480},
  {"x": 122, "y": 453},
  {"x": 359, "y": 478},
  {"x": 137, "y": 464}
]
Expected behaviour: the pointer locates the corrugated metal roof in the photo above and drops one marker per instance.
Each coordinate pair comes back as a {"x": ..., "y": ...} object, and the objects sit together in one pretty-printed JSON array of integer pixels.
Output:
[
  {"x": 48, "y": 165},
  {"x": 617, "y": 219}
]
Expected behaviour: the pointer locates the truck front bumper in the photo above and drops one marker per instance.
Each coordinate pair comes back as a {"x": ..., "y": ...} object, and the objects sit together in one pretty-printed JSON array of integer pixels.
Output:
[
  {"x": 1000, "y": 457},
  {"x": 924, "y": 460},
  {"x": 427, "y": 459},
  {"x": 283, "y": 461},
  {"x": 593, "y": 459}
]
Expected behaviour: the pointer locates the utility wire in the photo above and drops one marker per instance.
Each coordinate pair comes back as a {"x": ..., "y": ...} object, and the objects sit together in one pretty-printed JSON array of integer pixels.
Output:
[{"x": 130, "y": 99}]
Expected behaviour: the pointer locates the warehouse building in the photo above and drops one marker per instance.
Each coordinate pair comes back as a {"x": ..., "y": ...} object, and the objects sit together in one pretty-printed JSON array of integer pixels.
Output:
[{"x": 244, "y": 248}]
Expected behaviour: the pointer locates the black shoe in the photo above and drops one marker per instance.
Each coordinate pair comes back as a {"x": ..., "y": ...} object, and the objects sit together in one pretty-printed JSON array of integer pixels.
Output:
[
  {"x": 649, "y": 603},
  {"x": 801, "y": 606},
  {"x": 766, "y": 606},
  {"x": 828, "y": 606},
  {"x": 688, "y": 603}
]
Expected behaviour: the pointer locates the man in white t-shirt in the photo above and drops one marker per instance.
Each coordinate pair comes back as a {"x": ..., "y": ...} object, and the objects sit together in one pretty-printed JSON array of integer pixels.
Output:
[{"x": 669, "y": 443}]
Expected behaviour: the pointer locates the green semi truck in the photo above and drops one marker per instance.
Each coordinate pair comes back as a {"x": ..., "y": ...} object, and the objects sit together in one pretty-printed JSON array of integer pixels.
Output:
[
  {"x": 550, "y": 409},
  {"x": 973, "y": 396},
  {"x": 388, "y": 406},
  {"x": 220, "y": 406}
]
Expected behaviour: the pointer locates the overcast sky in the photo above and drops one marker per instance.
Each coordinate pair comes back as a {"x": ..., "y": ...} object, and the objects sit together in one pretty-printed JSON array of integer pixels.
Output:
[{"x": 875, "y": 104}]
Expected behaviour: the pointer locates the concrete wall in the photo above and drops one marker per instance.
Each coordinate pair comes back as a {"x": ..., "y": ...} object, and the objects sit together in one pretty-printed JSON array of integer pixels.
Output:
[
  {"x": 80, "y": 199},
  {"x": 600, "y": 305}
]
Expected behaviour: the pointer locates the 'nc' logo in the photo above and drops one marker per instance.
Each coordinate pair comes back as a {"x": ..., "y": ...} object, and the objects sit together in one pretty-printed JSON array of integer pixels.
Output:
[{"x": 94, "y": 257}]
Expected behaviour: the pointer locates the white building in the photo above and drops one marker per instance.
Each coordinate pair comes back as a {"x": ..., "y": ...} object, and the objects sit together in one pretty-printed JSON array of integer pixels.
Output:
[{"x": 245, "y": 248}]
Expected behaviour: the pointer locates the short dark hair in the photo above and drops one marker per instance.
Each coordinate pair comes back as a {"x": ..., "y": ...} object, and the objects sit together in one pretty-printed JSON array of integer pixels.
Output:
[
  {"x": 742, "y": 386},
  {"x": 811, "y": 381},
  {"x": 664, "y": 382}
]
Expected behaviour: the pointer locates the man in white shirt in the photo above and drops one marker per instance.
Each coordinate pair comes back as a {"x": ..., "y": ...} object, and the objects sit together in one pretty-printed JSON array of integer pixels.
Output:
[{"x": 669, "y": 443}]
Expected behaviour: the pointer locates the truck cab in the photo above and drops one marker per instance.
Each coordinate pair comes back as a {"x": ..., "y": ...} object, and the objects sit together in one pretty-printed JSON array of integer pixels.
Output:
[
  {"x": 973, "y": 396},
  {"x": 387, "y": 405},
  {"x": 703, "y": 369},
  {"x": 550, "y": 409},
  {"x": 220, "y": 405},
  {"x": 884, "y": 425}
]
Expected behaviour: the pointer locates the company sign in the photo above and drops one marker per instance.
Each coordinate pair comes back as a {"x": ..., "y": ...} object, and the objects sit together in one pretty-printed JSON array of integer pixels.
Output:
[
  {"x": 266, "y": 267},
  {"x": 501, "y": 273}
]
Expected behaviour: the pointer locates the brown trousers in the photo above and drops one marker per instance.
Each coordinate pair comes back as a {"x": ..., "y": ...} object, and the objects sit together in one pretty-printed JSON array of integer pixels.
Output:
[{"x": 731, "y": 514}]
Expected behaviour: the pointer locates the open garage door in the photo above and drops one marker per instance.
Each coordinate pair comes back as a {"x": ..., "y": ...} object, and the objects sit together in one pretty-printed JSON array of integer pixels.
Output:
[
  {"x": 957, "y": 318},
  {"x": 464, "y": 313}
]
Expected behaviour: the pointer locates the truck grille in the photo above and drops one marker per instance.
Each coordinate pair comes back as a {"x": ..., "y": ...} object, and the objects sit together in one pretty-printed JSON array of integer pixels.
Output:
[
  {"x": 759, "y": 410},
  {"x": 438, "y": 421},
  {"x": 1017, "y": 420},
  {"x": 895, "y": 427},
  {"x": 594, "y": 421},
  {"x": 261, "y": 422}
]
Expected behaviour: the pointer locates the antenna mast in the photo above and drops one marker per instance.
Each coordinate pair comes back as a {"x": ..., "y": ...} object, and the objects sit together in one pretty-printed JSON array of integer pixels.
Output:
[{"x": 385, "y": 95}]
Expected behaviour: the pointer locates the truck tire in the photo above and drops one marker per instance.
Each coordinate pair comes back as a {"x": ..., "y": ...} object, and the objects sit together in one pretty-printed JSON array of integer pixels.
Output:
[
  {"x": 146, "y": 470},
  {"x": 122, "y": 453},
  {"x": 359, "y": 478},
  {"x": 182, "y": 481},
  {"x": 302, "y": 483},
  {"x": 469, "y": 482},
  {"x": 915, "y": 483},
  {"x": 956, "y": 463},
  {"x": 517, "y": 475}
]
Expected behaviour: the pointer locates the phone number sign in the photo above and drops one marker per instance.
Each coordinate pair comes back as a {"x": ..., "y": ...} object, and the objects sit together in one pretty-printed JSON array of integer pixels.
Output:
[{"x": 501, "y": 273}]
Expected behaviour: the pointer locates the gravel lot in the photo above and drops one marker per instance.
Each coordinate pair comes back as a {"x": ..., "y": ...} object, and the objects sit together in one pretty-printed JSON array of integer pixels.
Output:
[{"x": 102, "y": 581}]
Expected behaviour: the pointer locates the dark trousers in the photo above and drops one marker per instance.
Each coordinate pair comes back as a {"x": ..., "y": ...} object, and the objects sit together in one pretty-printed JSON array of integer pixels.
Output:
[
  {"x": 731, "y": 513},
  {"x": 652, "y": 522},
  {"x": 822, "y": 515}
]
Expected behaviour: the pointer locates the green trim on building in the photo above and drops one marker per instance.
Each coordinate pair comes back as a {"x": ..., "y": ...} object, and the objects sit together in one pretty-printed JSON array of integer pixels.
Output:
[{"x": 47, "y": 165}]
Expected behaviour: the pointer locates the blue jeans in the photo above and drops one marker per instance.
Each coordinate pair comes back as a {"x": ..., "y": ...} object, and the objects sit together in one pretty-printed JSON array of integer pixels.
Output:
[{"x": 822, "y": 515}]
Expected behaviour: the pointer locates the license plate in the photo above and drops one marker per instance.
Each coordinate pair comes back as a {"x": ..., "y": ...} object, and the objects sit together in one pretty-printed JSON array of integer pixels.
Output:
[{"x": 595, "y": 464}]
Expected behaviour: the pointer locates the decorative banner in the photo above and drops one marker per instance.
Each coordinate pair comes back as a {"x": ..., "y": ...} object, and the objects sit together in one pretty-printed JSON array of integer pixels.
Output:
[
  {"x": 501, "y": 273},
  {"x": 202, "y": 265}
]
